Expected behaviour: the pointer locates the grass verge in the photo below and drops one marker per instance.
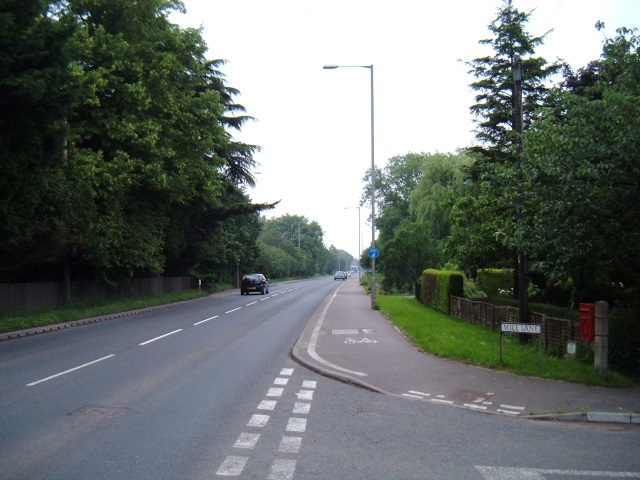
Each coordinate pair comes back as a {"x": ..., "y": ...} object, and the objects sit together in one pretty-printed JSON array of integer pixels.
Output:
[
  {"x": 21, "y": 321},
  {"x": 450, "y": 338}
]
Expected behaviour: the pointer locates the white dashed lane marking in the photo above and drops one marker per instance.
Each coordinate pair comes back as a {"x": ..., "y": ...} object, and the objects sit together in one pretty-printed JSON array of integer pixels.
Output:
[{"x": 281, "y": 468}]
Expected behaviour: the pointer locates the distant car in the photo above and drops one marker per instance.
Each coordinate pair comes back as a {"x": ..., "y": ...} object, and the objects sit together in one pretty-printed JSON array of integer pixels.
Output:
[
  {"x": 340, "y": 275},
  {"x": 254, "y": 282}
]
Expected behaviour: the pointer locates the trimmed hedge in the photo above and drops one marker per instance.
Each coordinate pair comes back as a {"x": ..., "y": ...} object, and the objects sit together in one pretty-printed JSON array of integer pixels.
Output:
[
  {"x": 492, "y": 280},
  {"x": 438, "y": 286}
]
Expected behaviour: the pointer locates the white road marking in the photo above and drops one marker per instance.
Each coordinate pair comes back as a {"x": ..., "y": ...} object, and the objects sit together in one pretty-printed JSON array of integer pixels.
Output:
[
  {"x": 232, "y": 466},
  {"x": 158, "y": 338},
  {"x": 252, "y": 303},
  {"x": 281, "y": 381},
  {"x": 205, "y": 320},
  {"x": 475, "y": 406},
  {"x": 420, "y": 393},
  {"x": 282, "y": 470},
  {"x": 275, "y": 392},
  {"x": 301, "y": 407},
  {"x": 311, "y": 348},
  {"x": 309, "y": 384},
  {"x": 247, "y": 440},
  {"x": 296, "y": 424},
  {"x": 511, "y": 473},
  {"x": 233, "y": 310},
  {"x": 69, "y": 371},
  {"x": 267, "y": 405},
  {"x": 258, "y": 420},
  {"x": 305, "y": 395},
  {"x": 511, "y": 407},
  {"x": 511, "y": 412},
  {"x": 411, "y": 395},
  {"x": 439, "y": 400},
  {"x": 286, "y": 372},
  {"x": 290, "y": 444}
]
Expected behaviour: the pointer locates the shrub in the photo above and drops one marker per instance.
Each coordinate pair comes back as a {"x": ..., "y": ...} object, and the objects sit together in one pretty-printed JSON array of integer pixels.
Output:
[{"x": 438, "y": 286}]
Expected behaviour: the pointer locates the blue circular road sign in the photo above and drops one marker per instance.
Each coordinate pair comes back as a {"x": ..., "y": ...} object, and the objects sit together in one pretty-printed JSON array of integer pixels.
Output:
[{"x": 374, "y": 253}]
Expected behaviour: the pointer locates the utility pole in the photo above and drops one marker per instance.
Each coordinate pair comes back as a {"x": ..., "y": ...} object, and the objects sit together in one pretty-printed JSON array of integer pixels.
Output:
[{"x": 522, "y": 258}]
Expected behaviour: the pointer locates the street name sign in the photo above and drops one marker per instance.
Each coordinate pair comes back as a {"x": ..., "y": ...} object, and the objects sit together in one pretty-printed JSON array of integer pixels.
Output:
[{"x": 521, "y": 328}]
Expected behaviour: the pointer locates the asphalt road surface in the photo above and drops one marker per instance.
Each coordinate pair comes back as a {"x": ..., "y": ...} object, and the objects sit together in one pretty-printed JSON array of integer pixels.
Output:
[{"x": 209, "y": 389}]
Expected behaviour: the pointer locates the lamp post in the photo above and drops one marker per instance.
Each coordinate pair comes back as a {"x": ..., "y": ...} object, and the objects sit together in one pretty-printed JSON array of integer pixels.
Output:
[
  {"x": 373, "y": 182},
  {"x": 523, "y": 316},
  {"x": 359, "y": 247}
]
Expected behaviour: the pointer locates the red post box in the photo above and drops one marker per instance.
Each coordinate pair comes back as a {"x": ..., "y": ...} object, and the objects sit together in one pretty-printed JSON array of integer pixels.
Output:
[{"x": 587, "y": 321}]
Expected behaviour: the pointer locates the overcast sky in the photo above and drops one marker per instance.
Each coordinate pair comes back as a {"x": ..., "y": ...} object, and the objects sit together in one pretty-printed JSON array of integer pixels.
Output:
[{"x": 313, "y": 125}]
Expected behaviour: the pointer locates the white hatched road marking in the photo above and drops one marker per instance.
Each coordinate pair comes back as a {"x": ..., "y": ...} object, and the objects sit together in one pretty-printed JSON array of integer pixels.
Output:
[
  {"x": 247, "y": 440},
  {"x": 305, "y": 395},
  {"x": 258, "y": 420},
  {"x": 267, "y": 405},
  {"x": 296, "y": 424},
  {"x": 290, "y": 444},
  {"x": 282, "y": 469},
  {"x": 232, "y": 466},
  {"x": 301, "y": 407},
  {"x": 275, "y": 392}
]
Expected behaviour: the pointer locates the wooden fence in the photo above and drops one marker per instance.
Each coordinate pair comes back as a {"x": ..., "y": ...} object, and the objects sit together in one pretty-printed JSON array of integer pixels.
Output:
[
  {"x": 555, "y": 331},
  {"x": 30, "y": 296}
]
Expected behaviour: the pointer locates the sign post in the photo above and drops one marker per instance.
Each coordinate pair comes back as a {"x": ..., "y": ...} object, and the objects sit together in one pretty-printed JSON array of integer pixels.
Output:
[{"x": 522, "y": 328}]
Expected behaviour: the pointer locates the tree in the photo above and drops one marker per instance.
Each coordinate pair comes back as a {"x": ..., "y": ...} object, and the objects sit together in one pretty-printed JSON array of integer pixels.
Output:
[
  {"x": 582, "y": 169},
  {"x": 34, "y": 101},
  {"x": 495, "y": 193}
]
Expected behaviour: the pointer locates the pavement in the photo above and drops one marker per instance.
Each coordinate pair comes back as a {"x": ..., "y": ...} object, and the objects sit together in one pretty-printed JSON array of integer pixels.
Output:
[{"x": 346, "y": 339}]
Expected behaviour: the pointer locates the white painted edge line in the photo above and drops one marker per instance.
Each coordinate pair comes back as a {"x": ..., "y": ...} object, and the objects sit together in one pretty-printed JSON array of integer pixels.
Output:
[
  {"x": 70, "y": 370},
  {"x": 311, "y": 349},
  {"x": 205, "y": 320},
  {"x": 439, "y": 400},
  {"x": 412, "y": 396},
  {"x": 158, "y": 338},
  {"x": 511, "y": 407},
  {"x": 233, "y": 310},
  {"x": 475, "y": 406}
]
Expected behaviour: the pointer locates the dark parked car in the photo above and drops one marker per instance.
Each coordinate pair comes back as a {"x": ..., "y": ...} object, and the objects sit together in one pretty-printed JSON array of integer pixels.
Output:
[{"x": 254, "y": 282}]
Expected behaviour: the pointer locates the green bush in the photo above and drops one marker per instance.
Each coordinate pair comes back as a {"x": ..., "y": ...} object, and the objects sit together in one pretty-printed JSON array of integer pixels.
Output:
[
  {"x": 492, "y": 281},
  {"x": 438, "y": 286}
]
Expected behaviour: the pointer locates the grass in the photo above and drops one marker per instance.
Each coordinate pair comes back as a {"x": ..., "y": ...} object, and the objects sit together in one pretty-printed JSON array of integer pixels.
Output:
[
  {"x": 77, "y": 311},
  {"x": 454, "y": 339}
]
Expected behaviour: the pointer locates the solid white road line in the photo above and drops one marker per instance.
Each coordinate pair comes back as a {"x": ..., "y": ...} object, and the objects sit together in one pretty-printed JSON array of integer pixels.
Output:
[{"x": 70, "y": 370}]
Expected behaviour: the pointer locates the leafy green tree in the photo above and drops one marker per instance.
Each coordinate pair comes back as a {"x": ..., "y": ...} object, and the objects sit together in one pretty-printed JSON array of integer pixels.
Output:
[
  {"x": 393, "y": 188},
  {"x": 412, "y": 249},
  {"x": 34, "y": 102},
  {"x": 582, "y": 169},
  {"x": 441, "y": 183}
]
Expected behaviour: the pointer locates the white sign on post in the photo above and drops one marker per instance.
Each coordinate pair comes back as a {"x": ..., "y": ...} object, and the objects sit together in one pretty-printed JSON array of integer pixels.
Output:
[{"x": 521, "y": 328}]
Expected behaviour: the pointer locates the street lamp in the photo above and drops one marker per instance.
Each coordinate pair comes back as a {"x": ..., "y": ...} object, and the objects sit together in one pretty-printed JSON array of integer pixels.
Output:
[
  {"x": 359, "y": 247},
  {"x": 373, "y": 182}
]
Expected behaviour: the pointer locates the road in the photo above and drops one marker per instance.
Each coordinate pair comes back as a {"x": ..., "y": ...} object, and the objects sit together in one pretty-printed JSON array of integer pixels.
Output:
[{"x": 209, "y": 389}]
